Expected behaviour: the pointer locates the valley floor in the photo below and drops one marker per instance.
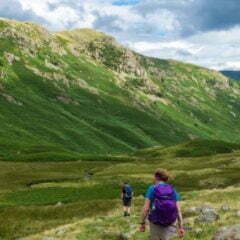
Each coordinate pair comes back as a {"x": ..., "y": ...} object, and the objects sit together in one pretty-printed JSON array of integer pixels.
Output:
[
  {"x": 79, "y": 200},
  {"x": 113, "y": 226}
]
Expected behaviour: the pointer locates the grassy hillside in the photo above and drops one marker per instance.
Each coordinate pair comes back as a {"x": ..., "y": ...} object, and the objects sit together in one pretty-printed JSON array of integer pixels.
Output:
[
  {"x": 81, "y": 92},
  {"x": 195, "y": 148}
]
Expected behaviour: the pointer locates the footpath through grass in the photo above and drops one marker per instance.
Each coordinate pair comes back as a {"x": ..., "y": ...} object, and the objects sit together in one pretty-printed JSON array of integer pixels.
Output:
[
  {"x": 113, "y": 226},
  {"x": 37, "y": 197}
]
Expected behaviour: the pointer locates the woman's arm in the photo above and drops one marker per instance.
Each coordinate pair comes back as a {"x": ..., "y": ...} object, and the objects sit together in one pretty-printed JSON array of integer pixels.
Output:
[
  {"x": 181, "y": 231},
  {"x": 145, "y": 212}
]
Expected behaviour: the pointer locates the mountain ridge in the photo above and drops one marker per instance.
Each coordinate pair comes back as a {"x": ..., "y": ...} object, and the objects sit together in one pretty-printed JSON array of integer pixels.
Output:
[{"x": 82, "y": 91}]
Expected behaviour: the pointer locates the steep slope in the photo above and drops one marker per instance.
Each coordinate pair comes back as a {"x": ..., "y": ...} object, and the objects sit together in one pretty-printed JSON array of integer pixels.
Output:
[{"x": 81, "y": 91}]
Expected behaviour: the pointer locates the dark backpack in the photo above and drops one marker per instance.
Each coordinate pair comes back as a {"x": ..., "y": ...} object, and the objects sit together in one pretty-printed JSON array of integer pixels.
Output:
[
  {"x": 164, "y": 210},
  {"x": 128, "y": 192}
]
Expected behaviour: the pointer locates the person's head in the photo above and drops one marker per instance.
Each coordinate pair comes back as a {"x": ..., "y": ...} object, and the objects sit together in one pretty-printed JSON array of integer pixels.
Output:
[
  {"x": 161, "y": 175},
  {"x": 124, "y": 184}
]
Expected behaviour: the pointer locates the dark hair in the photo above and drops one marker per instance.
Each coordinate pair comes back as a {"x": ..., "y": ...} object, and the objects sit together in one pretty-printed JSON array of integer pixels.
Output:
[{"x": 162, "y": 175}]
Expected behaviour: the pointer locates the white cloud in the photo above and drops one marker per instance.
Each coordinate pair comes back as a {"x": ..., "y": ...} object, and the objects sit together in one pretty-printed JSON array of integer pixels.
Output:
[
  {"x": 13, "y": 9},
  {"x": 150, "y": 46},
  {"x": 61, "y": 14},
  {"x": 229, "y": 65},
  {"x": 216, "y": 49},
  {"x": 160, "y": 28}
]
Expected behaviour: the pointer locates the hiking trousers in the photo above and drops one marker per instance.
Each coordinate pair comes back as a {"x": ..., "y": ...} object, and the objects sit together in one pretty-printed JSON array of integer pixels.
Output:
[{"x": 162, "y": 233}]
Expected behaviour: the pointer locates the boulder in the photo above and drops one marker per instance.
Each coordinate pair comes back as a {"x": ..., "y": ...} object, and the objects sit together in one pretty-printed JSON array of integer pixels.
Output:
[
  {"x": 10, "y": 57},
  {"x": 207, "y": 215},
  {"x": 60, "y": 232},
  {"x": 59, "y": 204},
  {"x": 225, "y": 208},
  {"x": 238, "y": 213},
  {"x": 228, "y": 233}
]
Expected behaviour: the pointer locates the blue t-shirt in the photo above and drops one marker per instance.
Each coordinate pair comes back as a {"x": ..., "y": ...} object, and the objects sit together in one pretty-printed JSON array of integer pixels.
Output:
[{"x": 150, "y": 193}]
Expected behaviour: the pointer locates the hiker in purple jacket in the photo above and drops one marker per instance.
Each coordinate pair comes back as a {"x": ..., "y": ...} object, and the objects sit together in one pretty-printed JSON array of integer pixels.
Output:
[{"x": 162, "y": 208}]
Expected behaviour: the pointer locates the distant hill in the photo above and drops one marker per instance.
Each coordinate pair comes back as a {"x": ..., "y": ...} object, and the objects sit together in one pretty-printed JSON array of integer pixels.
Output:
[
  {"x": 232, "y": 74},
  {"x": 80, "y": 91},
  {"x": 195, "y": 148}
]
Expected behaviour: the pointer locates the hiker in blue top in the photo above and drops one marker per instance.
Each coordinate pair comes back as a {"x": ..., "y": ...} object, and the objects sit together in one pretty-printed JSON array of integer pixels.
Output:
[
  {"x": 162, "y": 208},
  {"x": 127, "y": 196}
]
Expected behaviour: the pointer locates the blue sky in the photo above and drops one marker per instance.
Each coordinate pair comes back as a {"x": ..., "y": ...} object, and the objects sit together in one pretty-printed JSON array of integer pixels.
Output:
[
  {"x": 125, "y": 2},
  {"x": 204, "y": 32}
]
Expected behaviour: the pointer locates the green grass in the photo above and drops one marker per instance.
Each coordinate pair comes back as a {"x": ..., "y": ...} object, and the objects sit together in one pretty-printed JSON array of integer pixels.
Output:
[
  {"x": 82, "y": 102},
  {"x": 80, "y": 115},
  {"x": 50, "y": 196},
  {"x": 113, "y": 225},
  {"x": 196, "y": 148},
  {"x": 92, "y": 188},
  {"x": 27, "y": 220}
]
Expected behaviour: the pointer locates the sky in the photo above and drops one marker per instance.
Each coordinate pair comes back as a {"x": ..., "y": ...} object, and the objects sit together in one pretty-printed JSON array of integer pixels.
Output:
[{"x": 203, "y": 32}]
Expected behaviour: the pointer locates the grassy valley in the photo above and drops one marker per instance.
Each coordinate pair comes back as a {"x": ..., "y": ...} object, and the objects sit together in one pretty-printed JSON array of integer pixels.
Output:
[
  {"x": 38, "y": 199},
  {"x": 80, "y": 114}
]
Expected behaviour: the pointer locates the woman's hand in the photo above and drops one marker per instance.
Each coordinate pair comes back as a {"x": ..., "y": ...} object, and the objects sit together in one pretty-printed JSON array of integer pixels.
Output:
[
  {"x": 142, "y": 227},
  {"x": 145, "y": 212},
  {"x": 181, "y": 232}
]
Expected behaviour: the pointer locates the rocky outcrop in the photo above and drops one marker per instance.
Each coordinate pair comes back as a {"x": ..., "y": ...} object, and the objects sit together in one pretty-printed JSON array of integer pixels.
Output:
[
  {"x": 11, "y": 99},
  {"x": 30, "y": 37},
  {"x": 207, "y": 215},
  {"x": 67, "y": 100},
  {"x": 10, "y": 58},
  {"x": 228, "y": 233}
]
